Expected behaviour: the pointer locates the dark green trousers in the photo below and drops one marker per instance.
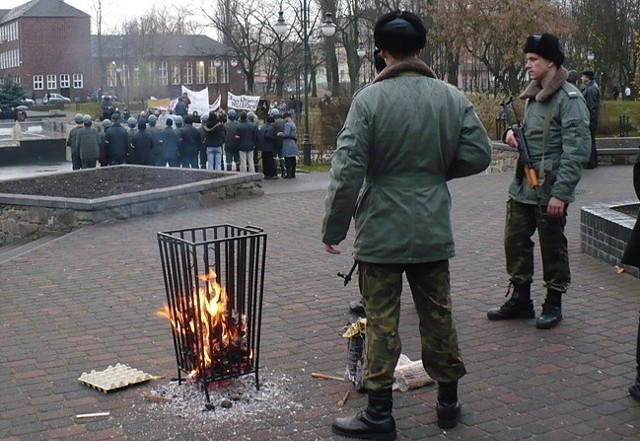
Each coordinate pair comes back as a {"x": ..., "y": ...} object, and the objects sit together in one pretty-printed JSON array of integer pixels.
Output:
[
  {"x": 522, "y": 221},
  {"x": 381, "y": 287}
]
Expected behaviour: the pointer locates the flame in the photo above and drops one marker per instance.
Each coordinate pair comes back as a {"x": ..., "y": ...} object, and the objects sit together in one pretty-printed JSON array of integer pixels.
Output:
[{"x": 207, "y": 322}]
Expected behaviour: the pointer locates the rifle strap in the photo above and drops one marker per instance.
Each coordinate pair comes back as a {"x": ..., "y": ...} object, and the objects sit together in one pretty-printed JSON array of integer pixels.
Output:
[{"x": 545, "y": 138}]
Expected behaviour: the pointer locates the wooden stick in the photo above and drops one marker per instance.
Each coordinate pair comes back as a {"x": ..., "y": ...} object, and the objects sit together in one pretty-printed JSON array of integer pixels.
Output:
[
  {"x": 326, "y": 377},
  {"x": 93, "y": 415},
  {"x": 344, "y": 399}
]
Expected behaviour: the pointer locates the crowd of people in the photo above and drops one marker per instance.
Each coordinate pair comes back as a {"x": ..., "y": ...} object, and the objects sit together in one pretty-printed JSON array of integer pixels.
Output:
[{"x": 231, "y": 140}]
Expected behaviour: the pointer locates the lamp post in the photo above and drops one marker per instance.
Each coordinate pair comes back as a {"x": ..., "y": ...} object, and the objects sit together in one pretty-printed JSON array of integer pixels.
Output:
[
  {"x": 360, "y": 52},
  {"x": 328, "y": 28}
]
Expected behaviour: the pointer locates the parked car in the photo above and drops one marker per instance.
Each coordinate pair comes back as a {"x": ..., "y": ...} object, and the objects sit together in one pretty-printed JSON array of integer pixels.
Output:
[
  {"x": 27, "y": 102},
  {"x": 55, "y": 98}
]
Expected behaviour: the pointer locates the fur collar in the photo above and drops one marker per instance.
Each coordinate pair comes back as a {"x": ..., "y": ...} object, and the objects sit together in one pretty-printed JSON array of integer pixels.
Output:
[
  {"x": 411, "y": 64},
  {"x": 541, "y": 94}
]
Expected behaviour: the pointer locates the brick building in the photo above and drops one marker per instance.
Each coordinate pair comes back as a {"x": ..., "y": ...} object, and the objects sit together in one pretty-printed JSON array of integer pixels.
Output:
[
  {"x": 47, "y": 46},
  {"x": 44, "y": 46}
]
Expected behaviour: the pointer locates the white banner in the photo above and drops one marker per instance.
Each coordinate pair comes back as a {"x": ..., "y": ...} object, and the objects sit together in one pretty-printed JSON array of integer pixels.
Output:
[
  {"x": 216, "y": 105},
  {"x": 199, "y": 100},
  {"x": 242, "y": 102}
]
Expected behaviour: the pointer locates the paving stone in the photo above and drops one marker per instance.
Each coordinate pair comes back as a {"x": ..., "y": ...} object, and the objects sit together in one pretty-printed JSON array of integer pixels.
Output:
[{"x": 88, "y": 299}]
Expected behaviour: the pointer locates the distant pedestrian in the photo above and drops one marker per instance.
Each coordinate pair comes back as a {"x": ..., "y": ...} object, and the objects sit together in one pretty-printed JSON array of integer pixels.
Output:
[
  {"x": 615, "y": 92},
  {"x": 169, "y": 138},
  {"x": 117, "y": 141},
  {"x": 71, "y": 142},
  {"x": 189, "y": 145},
  {"x": 88, "y": 144},
  {"x": 215, "y": 133},
  {"x": 141, "y": 145},
  {"x": 591, "y": 93},
  {"x": 267, "y": 140},
  {"x": 247, "y": 138},
  {"x": 290, "y": 151},
  {"x": 232, "y": 156}
]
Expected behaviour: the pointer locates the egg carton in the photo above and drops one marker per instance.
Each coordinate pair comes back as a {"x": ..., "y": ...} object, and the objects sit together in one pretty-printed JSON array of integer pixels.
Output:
[{"x": 114, "y": 377}]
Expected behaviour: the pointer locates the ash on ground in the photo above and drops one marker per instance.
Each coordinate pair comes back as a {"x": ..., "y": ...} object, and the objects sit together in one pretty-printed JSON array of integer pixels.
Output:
[{"x": 234, "y": 399}]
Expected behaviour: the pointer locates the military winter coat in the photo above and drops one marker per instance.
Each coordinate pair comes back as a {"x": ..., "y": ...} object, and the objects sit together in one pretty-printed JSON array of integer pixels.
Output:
[
  {"x": 404, "y": 137},
  {"x": 87, "y": 144},
  {"x": 568, "y": 141}
]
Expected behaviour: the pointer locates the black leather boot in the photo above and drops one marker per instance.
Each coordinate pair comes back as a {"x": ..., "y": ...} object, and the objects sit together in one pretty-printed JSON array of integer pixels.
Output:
[
  {"x": 519, "y": 306},
  {"x": 375, "y": 422},
  {"x": 551, "y": 310},
  {"x": 448, "y": 407},
  {"x": 634, "y": 390}
]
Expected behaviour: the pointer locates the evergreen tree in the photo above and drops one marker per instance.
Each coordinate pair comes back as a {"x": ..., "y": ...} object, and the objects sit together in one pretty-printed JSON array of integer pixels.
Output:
[{"x": 10, "y": 95}]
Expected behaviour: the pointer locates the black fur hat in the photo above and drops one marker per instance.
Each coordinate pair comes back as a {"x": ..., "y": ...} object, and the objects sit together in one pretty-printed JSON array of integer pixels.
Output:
[
  {"x": 547, "y": 46},
  {"x": 400, "y": 31}
]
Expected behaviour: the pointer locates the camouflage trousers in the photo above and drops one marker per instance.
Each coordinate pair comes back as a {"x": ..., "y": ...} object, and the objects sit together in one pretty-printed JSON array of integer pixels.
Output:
[
  {"x": 522, "y": 221},
  {"x": 381, "y": 287}
]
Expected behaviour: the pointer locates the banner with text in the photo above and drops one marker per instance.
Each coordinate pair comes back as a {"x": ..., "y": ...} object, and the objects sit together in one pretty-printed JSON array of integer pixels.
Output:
[
  {"x": 199, "y": 100},
  {"x": 242, "y": 102}
]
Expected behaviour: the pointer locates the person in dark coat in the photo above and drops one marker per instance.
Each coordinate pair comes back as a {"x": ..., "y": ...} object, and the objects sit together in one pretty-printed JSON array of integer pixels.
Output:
[
  {"x": 232, "y": 157},
  {"x": 247, "y": 137},
  {"x": 180, "y": 108},
  {"x": 117, "y": 141},
  {"x": 591, "y": 93},
  {"x": 267, "y": 144},
  {"x": 190, "y": 142},
  {"x": 104, "y": 150},
  {"x": 156, "y": 143},
  {"x": 170, "y": 143},
  {"x": 141, "y": 145},
  {"x": 631, "y": 257},
  {"x": 87, "y": 144},
  {"x": 215, "y": 133}
]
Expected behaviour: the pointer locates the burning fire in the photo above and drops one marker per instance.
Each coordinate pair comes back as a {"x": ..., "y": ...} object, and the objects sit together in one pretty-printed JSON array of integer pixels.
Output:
[{"x": 207, "y": 322}]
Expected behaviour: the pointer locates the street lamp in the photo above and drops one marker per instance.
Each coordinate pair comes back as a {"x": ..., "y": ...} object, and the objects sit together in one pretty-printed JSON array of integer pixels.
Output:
[
  {"x": 328, "y": 28},
  {"x": 590, "y": 57}
]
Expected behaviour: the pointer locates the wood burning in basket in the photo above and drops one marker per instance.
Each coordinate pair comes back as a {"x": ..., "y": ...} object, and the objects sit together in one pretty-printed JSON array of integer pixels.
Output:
[{"x": 214, "y": 280}]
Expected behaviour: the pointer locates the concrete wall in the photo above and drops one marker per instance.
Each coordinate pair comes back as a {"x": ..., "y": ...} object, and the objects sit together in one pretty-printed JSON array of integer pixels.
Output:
[{"x": 27, "y": 218}]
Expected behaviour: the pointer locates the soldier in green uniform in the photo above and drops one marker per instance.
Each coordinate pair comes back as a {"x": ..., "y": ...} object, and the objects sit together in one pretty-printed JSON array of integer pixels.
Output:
[
  {"x": 556, "y": 127},
  {"x": 392, "y": 171}
]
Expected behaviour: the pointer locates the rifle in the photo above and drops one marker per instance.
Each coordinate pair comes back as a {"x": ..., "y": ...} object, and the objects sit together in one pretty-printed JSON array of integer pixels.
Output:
[{"x": 528, "y": 170}]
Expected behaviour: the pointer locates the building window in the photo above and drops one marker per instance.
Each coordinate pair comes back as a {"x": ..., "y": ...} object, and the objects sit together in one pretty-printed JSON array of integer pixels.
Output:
[
  {"x": 175, "y": 73},
  {"x": 111, "y": 75},
  {"x": 150, "y": 73},
  {"x": 64, "y": 81},
  {"x": 51, "y": 82},
  {"x": 188, "y": 73},
  {"x": 213, "y": 73},
  {"x": 164, "y": 77},
  {"x": 200, "y": 72},
  {"x": 38, "y": 82},
  {"x": 78, "y": 81},
  {"x": 224, "y": 76}
]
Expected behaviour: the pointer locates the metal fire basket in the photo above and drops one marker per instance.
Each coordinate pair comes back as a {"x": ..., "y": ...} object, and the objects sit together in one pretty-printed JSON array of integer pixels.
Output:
[{"x": 236, "y": 255}]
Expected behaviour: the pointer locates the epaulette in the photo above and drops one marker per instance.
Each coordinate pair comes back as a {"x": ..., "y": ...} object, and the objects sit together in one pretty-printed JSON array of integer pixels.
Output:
[{"x": 571, "y": 90}]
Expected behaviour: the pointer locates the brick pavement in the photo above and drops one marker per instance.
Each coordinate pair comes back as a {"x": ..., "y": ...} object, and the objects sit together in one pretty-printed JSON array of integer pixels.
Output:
[{"x": 86, "y": 300}]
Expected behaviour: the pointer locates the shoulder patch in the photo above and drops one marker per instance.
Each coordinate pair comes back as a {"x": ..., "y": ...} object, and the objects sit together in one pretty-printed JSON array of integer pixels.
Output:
[{"x": 571, "y": 90}]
